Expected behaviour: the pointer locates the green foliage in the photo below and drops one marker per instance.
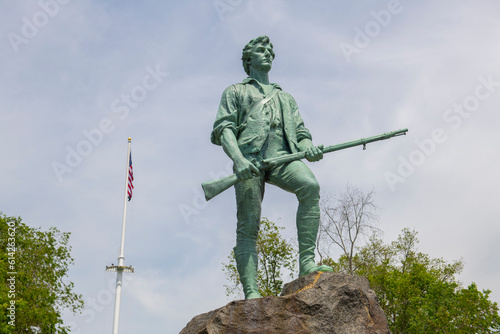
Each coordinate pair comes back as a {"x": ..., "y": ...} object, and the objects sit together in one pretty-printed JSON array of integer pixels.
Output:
[
  {"x": 277, "y": 258},
  {"x": 419, "y": 294},
  {"x": 37, "y": 261}
]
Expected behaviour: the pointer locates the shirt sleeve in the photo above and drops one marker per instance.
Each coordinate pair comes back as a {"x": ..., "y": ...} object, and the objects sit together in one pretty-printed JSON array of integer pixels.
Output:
[
  {"x": 300, "y": 130},
  {"x": 227, "y": 115}
]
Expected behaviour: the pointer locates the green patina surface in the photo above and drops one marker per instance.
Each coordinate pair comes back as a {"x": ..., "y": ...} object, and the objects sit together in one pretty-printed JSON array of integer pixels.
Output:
[{"x": 258, "y": 120}]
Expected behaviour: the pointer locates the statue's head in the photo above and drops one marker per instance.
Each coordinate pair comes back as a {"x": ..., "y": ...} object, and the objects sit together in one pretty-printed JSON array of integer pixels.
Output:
[{"x": 250, "y": 47}]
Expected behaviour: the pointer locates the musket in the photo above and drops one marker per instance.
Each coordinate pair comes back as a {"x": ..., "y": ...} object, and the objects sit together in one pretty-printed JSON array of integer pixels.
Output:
[{"x": 215, "y": 187}]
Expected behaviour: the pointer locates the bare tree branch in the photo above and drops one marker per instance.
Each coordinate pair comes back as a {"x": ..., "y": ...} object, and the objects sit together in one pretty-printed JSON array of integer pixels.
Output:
[{"x": 345, "y": 219}]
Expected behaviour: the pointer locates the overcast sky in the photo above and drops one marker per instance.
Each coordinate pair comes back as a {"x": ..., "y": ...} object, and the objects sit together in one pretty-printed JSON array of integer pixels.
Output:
[{"x": 80, "y": 77}]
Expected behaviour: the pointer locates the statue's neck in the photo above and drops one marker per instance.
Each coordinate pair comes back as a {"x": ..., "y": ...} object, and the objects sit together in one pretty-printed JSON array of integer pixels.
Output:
[{"x": 261, "y": 77}]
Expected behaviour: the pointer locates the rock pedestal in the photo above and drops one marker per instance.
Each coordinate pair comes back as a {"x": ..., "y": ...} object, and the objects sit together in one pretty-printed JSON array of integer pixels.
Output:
[{"x": 322, "y": 302}]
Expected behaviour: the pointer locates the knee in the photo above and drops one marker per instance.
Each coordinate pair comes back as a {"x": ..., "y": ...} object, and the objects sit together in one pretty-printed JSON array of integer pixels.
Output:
[
  {"x": 309, "y": 191},
  {"x": 247, "y": 231}
]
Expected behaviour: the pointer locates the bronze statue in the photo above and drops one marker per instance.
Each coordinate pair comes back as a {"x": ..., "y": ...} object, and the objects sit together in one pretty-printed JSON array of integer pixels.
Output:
[
  {"x": 257, "y": 120},
  {"x": 260, "y": 129}
]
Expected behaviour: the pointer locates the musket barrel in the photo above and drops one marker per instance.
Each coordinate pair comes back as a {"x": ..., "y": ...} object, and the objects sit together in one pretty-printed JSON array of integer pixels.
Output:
[
  {"x": 215, "y": 187},
  {"x": 364, "y": 141}
]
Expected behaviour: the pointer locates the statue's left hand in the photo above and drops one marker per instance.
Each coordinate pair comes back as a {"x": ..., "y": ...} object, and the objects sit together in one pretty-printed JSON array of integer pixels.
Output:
[{"x": 314, "y": 153}]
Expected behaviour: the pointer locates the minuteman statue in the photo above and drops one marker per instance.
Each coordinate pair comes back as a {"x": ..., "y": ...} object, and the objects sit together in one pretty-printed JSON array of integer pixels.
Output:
[{"x": 258, "y": 120}]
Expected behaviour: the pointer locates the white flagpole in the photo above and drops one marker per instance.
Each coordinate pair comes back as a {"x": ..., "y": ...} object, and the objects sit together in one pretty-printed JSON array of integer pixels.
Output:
[{"x": 121, "y": 257}]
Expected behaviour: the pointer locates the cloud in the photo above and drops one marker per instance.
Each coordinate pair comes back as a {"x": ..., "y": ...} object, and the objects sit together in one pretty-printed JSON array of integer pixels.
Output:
[{"x": 65, "y": 80}]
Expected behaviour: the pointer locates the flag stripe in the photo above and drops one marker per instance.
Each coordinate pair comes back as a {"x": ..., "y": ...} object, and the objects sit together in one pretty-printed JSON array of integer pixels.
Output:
[{"x": 130, "y": 185}]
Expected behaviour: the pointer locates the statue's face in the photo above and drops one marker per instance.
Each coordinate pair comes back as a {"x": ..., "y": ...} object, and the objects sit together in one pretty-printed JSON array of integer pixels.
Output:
[{"x": 262, "y": 57}]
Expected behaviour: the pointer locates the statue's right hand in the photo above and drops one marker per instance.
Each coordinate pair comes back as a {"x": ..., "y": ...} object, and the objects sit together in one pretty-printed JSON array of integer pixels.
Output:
[{"x": 245, "y": 170}]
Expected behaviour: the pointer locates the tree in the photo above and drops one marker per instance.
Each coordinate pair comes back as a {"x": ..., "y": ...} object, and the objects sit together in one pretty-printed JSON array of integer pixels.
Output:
[
  {"x": 344, "y": 219},
  {"x": 34, "y": 264},
  {"x": 420, "y": 294},
  {"x": 277, "y": 259}
]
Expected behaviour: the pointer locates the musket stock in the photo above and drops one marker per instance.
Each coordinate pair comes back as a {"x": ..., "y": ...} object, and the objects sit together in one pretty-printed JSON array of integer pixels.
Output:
[{"x": 215, "y": 187}]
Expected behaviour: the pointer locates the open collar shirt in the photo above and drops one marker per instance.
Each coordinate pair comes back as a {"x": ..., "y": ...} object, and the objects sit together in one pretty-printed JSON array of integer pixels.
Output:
[{"x": 253, "y": 131}]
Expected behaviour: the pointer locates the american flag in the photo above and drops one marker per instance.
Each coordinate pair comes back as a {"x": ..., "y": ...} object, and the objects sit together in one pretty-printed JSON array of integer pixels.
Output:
[{"x": 130, "y": 186}]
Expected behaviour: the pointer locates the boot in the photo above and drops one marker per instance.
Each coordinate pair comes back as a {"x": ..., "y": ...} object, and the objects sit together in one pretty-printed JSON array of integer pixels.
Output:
[
  {"x": 307, "y": 232},
  {"x": 246, "y": 262}
]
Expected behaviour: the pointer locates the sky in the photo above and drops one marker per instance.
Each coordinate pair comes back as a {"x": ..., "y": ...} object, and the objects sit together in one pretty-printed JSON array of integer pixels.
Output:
[{"x": 80, "y": 77}]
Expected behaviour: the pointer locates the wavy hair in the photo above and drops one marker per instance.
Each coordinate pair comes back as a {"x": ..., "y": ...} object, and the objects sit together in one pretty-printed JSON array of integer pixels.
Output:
[{"x": 248, "y": 49}]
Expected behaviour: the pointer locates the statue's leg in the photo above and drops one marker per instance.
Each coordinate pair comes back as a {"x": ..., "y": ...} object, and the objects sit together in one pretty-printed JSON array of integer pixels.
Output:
[
  {"x": 297, "y": 178},
  {"x": 249, "y": 196}
]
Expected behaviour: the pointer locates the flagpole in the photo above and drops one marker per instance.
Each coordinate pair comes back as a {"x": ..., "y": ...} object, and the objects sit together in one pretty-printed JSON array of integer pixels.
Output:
[{"x": 120, "y": 268}]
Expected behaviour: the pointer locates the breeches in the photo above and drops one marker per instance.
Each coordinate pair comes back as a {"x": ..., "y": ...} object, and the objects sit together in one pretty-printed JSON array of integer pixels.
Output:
[{"x": 294, "y": 177}]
